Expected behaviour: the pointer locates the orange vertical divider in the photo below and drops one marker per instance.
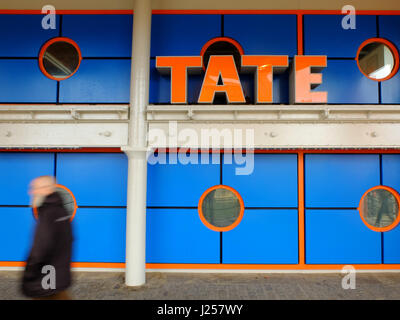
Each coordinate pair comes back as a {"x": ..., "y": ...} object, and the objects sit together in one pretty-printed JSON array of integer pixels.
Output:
[
  {"x": 300, "y": 34},
  {"x": 300, "y": 181}
]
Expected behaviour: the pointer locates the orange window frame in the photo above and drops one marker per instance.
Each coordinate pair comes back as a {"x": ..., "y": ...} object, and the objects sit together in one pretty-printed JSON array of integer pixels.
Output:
[
  {"x": 392, "y": 49},
  {"x": 394, "y": 223},
  {"x": 48, "y": 44},
  {"x": 209, "y": 225}
]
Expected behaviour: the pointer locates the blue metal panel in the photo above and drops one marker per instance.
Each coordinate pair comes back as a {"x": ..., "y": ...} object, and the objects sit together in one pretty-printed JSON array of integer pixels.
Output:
[
  {"x": 100, "y": 35},
  {"x": 99, "y": 235},
  {"x": 391, "y": 248},
  {"x": 16, "y": 172},
  {"x": 391, "y": 178},
  {"x": 180, "y": 184},
  {"x": 96, "y": 179},
  {"x": 390, "y": 90},
  {"x": 263, "y": 236},
  {"x": 263, "y": 34},
  {"x": 98, "y": 81},
  {"x": 324, "y": 35},
  {"x": 22, "y": 35},
  {"x": 346, "y": 84},
  {"x": 179, "y": 236},
  {"x": 389, "y": 29},
  {"x": 339, "y": 180},
  {"x": 182, "y": 35},
  {"x": 16, "y": 233},
  {"x": 340, "y": 236},
  {"x": 22, "y": 81},
  {"x": 391, "y": 171},
  {"x": 273, "y": 183}
]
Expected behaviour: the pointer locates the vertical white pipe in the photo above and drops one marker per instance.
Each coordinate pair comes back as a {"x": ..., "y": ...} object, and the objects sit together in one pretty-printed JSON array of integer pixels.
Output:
[{"x": 136, "y": 151}]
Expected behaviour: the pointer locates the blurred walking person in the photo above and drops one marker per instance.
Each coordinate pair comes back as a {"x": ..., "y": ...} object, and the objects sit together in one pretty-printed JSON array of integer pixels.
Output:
[{"x": 47, "y": 273}]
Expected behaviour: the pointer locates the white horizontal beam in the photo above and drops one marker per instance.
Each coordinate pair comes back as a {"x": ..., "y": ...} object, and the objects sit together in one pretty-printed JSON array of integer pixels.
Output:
[
  {"x": 68, "y": 135},
  {"x": 274, "y": 135},
  {"x": 275, "y": 113},
  {"x": 54, "y": 113}
]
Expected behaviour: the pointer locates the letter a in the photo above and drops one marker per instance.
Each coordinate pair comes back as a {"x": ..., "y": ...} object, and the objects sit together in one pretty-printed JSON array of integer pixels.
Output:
[{"x": 49, "y": 21}]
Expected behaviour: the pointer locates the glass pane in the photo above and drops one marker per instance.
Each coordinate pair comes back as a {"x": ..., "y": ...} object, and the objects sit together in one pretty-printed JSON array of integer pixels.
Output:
[
  {"x": 380, "y": 208},
  {"x": 376, "y": 60},
  {"x": 61, "y": 59},
  {"x": 68, "y": 200},
  {"x": 221, "y": 207}
]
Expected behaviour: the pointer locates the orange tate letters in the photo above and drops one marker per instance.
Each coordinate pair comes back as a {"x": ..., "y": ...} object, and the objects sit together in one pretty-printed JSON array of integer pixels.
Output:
[
  {"x": 305, "y": 80},
  {"x": 179, "y": 68},
  {"x": 225, "y": 67},
  {"x": 263, "y": 81}
]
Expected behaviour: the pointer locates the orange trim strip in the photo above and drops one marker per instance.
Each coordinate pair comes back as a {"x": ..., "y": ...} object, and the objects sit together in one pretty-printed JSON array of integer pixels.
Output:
[
  {"x": 118, "y": 150},
  {"x": 362, "y": 151},
  {"x": 68, "y": 11},
  {"x": 300, "y": 183},
  {"x": 272, "y": 266},
  {"x": 167, "y": 266},
  {"x": 99, "y": 150},
  {"x": 319, "y": 12}
]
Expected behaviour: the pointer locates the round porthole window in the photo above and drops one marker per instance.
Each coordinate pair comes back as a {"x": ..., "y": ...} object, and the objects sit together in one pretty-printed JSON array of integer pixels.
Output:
[
  {"x": 379, "y": 208},
  {"x": 221, "y": 208},
  {"x": 68, "y": 199},
  {"x": 378, "y": 59},
  {"x": 59, "y": 58},
  {"x": 222, "y": 46}
]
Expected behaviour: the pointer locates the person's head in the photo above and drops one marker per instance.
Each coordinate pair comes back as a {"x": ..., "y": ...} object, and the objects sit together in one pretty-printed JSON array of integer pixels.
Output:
[{"x": 40, "y": 188}]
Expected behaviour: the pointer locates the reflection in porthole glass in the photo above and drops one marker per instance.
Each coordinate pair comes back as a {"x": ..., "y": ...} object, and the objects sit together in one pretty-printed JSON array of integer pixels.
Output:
[
  {"x": 379, "y": 208},
  {"x": 61, "y": 59},
  {"x": 68, "y": 200},
  {"x": 376, "y": 60},
  {"x": 221, "y": 207}
]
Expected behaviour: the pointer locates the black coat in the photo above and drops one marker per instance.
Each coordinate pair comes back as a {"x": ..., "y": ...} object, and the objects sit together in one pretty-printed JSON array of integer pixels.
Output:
[{"x": 52, "y": 245}]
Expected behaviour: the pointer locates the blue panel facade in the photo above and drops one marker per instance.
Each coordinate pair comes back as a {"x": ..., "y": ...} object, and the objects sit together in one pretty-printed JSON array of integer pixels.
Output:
[
  {"x": 273, "y": 182},
  {"x": 16, "y": 233},
  {"x": 391, "y": 249},
  {"x": 263, "y": 34},
  {"x": 23, "y": 35},
  {"x": 324, "y": 35},
  {"x": 391, "y": 171},
  {"x": 178, "y": 184},
  {"x": 340, "y": 237},
  {"x": 100, "y": 35},
  {"x": 263, "y": 236},
  {"x": 96, "y": 179},
  {"x": 339, "y": 180},
  {"x": 99, "y": 235},
  {"x": 345, "y": 84},
  {"x": 22, "y": 81},
  {"x": 98, "y": 81},
  {"x": 16, "y": 172},
  {"x": 391, "y": 178},
  {"x": 179, "y": 236},
  {"x": 389, "y": 29},
  {"x": 182, "y": 35}
]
